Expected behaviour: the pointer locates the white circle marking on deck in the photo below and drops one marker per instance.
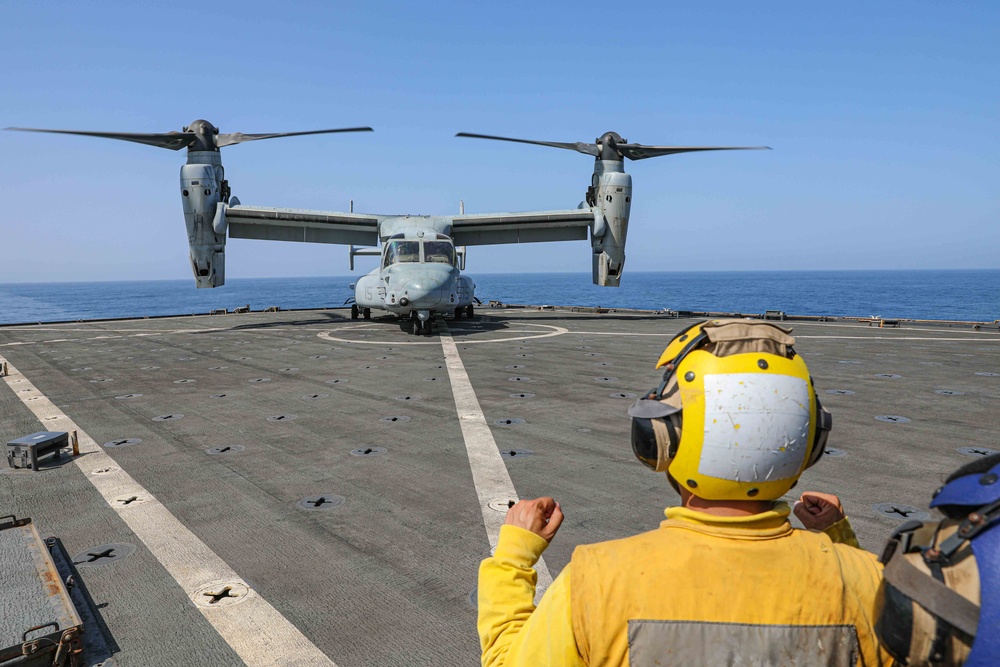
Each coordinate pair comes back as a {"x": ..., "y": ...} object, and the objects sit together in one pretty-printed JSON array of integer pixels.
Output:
[{"x": 327, "y": 335}]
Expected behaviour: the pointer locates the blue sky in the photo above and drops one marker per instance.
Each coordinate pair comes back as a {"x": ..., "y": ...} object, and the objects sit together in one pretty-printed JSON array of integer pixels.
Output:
[{"x": 883, "y": 118}]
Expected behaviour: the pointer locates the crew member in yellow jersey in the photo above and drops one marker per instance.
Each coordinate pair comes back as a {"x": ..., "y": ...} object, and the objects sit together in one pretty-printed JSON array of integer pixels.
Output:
[{"x": 725, "y": 579}]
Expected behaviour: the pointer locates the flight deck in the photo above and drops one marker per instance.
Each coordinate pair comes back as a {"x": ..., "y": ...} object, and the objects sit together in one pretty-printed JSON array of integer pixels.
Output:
[{"x": 301, "y": 488}]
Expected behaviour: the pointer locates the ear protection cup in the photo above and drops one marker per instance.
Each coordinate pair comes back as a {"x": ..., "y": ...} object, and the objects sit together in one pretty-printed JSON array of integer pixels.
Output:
[{"x": 824, "y": 424}]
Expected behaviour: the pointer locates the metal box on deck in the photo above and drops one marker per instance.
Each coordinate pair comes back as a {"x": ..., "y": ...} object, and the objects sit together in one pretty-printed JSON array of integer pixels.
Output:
[
  {"x": 25, "y": 451},
  {"x": 38, "y": 623}
]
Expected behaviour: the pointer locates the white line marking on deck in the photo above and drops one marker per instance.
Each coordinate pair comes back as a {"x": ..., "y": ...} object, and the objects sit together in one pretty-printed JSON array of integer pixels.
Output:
[
  {"x": 529, "y": 335},
  {"x": 929, "y": 338},
  {"x": 94, "y": 329},
  {"x": 621, "y": 333},
  {"x": 254, "y": 629},
  {"x": 132, "y": 333},
  {"x": 994, "y": 339},
  {"x": 489, "y": 473}
]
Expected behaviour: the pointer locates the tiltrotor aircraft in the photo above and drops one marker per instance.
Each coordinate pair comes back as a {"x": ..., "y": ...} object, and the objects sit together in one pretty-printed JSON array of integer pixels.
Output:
[{"x": 421, "y": 256}]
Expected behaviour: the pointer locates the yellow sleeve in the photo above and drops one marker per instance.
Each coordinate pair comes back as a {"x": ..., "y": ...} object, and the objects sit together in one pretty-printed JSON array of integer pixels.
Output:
[
  {"x": 866, "y": 576},
  {"x": 511, "y": 631},
  {"x": 842, "y": 533}
]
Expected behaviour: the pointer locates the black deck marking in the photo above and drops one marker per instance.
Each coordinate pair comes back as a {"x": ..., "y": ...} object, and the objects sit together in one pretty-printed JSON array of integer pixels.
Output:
[
  {"x": 900, "y": 512},
  {"x": 515, "y": 453},
  {"x": 224, "y": 450},
  {"x": 976, "y": 451},
  {"x": 892, "y": 419},
  {"x": 325, "y": 501},
  {"x": 394, "y": 419},
  {"x": 122, "y": 442},
  {"x": 224, "y": 593}
]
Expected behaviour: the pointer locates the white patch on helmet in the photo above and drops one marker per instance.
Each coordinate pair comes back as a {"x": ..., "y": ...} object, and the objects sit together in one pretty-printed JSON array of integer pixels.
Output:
[{"x": 756, "y": 427}]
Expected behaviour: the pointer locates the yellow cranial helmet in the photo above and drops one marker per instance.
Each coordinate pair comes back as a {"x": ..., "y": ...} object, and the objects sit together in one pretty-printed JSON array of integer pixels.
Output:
[{"x": 735, "y": 416}]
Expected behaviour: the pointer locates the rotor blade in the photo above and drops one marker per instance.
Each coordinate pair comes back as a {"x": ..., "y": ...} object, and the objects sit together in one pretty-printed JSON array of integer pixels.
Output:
[
  {"x": 171, "y": 140},
  {"x": 640, "y": 152},
  {"x": 580, "y": 147},
  {"x": 239, "y": 137}
]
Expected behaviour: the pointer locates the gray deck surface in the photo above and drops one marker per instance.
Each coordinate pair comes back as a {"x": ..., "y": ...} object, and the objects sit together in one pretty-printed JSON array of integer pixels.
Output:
[{"x": 386, "y": 577}]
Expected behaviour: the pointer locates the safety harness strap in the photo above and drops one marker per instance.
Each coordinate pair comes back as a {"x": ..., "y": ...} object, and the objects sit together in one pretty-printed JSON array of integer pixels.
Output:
[{"x": 932, "y": 595}]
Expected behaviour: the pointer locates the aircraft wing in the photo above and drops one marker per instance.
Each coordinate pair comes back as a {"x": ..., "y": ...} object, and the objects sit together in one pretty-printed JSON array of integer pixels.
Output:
[
  {"x": 293, "y": 224},
  {"x": 533, "y": 227}
]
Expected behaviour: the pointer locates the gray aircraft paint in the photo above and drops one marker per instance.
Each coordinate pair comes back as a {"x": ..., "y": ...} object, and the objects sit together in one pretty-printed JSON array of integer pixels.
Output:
[{"x": 415, "y": 289}]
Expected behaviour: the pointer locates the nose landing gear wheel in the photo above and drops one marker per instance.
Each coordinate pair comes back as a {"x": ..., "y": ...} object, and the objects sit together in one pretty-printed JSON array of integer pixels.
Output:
[
  {"x": 355, "y": 311},
  {"x": 422, "y": 328},
  {"x": 367, "y": 312},
  {"x": 469, "y": 311}
]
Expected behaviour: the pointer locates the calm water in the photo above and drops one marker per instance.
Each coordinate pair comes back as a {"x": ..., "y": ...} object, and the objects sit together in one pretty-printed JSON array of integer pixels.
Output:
[{"x": 946, "y": 295}]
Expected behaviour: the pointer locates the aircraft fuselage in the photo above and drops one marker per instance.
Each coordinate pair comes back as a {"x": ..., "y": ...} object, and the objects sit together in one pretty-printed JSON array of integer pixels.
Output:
[{"x": 418, "y": 274}]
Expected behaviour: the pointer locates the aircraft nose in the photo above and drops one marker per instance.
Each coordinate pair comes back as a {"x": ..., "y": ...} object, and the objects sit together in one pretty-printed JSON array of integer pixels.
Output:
[{"x": 425, "y": 288}]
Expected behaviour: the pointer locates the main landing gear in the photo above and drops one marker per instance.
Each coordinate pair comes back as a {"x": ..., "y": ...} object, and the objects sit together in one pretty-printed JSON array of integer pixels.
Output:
[{"x": 468, "y": 310}]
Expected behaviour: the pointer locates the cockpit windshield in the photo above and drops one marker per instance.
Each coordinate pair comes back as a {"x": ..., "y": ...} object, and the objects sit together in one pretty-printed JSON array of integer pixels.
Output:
[
  {"x": 397, "y": 252},
  {"x": 441, "y": 252}
]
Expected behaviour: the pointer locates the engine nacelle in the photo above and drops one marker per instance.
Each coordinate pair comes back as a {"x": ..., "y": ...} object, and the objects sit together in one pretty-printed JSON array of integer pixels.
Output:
[
  {"x": 202, "y": 195},
  {"x": 613, "y": 198}
]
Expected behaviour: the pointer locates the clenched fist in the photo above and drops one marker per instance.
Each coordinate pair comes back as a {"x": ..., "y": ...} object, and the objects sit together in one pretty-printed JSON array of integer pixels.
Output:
[
  {"x": 542, "y": 516},
  {"x": 818, "y": 511}
]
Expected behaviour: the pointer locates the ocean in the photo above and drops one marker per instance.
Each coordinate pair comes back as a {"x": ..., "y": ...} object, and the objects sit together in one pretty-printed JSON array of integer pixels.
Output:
[{"x": 971, "y": 295}]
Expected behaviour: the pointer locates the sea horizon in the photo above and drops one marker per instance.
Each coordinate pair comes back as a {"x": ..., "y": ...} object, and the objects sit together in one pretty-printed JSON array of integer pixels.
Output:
[
  {"x": 933, "y": 294},
  {"x": 507, "y": 273}
]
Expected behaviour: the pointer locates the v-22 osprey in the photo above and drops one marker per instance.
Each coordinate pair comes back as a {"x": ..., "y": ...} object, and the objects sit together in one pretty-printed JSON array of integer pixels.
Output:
[{"x": 421, "y": 256}]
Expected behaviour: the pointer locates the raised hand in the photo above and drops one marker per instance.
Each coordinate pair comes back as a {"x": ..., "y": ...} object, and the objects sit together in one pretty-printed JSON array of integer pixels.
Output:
[
  {"x": 542, "y": 516},
  {"x": 818, "y": 511}
]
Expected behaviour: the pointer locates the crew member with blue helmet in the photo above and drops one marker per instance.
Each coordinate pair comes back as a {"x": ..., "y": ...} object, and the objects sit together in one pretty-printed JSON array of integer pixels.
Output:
[{"x": 942, "y": 579}]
